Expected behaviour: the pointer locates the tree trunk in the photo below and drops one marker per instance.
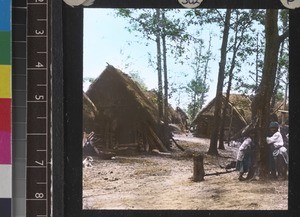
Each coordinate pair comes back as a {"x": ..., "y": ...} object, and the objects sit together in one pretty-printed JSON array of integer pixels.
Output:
[
  {"x": 236, "y": 46},
  {"x": 166, "y": 103},
  {"x": 208, "y": 54},
  {"x": 261, "y": 102},
  {"x": 159, "y": 70},
  {"x": 225, "y": 108},
  {"x": 256, "y": 62},
  {"x": 218, "y": 100},
  {"x": 277, "y": 80},
  {"x": 198, "y": 169},
  {"x": 166, "y": 93}
]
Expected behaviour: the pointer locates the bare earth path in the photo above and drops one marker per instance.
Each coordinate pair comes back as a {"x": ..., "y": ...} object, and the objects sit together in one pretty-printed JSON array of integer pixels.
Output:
[{"x": 158, "y": 182}]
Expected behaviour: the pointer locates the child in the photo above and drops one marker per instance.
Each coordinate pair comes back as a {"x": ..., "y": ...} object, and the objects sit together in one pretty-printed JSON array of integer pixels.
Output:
[{"x": 245, "y": 154}]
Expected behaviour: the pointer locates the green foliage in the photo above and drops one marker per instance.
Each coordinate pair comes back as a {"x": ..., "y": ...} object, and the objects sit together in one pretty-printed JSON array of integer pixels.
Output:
[
  {"x": 88, "y": 79},
  {"x": 245, "y": 48},
  {"x": 193, "y": 109},
  {"x": 158, "y": 25},
  {"x": 124, "y": 12},
  {"x": 145, "y": 21},
  {"x": 138, "y": 80},
  {"x": 279, "y": 97},
  {"x": 283, "y": 20},
  {"x": 196, "y": 88},
  {"x": 243, "y": 44}
]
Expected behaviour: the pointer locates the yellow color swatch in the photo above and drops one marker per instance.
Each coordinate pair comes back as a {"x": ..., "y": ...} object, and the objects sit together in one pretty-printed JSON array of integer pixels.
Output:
[{"x": 5, "y": 81}]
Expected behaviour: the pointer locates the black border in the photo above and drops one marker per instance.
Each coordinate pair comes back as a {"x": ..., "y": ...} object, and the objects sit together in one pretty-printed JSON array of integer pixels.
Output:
[
  {"x": 67, "y": 146},
  {"x": 57, "y": 109},
  {"x": 174, "y": 4}
]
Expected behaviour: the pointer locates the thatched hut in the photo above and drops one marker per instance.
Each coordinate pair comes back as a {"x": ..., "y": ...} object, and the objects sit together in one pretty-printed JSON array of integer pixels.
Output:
[
  {"x": 238, "y": 115},
  {"x": 183, "y": 117},
  {"x": 281, "y": 111},
  {"x": 128, "y": 118},
  {"x": 89, "y": 114},
  {"x": 177, "y": 120}
]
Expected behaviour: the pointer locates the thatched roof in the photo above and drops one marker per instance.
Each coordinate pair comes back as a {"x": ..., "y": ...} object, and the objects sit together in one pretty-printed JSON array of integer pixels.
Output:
[
  {"x": 280, "y": 107},
  {"x": 239, "y": 103},
  {"x": 243, "y": 104},
  {"x": 127, "y": 91},
  {"x": 127, "y": 114},
  {"x": 281, "y": 110},
  {"x": 89, "y": 109},
  {"x": 177, "y": 116},
  {"x": 181, "y": 113},
  {"x": 152, "y": 95},
  {"x": 89, "y": 113}
]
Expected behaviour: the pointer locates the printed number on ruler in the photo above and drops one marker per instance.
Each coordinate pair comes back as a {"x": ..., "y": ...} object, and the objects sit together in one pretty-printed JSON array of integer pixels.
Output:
[{"x": 38, "y": 181}]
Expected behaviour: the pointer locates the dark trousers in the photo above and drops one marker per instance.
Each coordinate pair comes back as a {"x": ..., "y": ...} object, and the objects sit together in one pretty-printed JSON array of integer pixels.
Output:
[{"x": 272, "y": 163}]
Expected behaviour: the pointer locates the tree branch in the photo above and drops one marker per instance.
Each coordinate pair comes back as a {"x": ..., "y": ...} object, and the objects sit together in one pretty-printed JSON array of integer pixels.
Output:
[{"x": 284, "y": 36}]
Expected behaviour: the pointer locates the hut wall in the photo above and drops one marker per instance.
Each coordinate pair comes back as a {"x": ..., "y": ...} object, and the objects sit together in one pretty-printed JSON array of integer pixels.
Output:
[
  {"x": 205, "y": 125},
  {"x": 235, "y": 126},
  {"x": 123, "y": 123},
  {"x": 237, "y": 116}
]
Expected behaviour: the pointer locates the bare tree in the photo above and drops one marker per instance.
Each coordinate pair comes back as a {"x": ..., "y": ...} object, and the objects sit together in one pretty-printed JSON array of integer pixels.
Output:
[{"x": 218, "y": 102}]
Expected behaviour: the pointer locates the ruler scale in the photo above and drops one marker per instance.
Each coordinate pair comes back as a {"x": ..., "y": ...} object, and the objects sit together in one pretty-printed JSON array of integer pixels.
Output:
[{"x": 38, "y": 167}]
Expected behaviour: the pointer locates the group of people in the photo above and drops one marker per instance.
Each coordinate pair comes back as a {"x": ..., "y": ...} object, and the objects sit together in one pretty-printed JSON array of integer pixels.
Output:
[{"x": 277, "y": 153}]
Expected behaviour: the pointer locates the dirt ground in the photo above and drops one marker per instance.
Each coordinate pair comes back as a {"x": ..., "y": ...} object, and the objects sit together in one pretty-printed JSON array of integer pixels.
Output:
[{"x": 159, "y": 182}]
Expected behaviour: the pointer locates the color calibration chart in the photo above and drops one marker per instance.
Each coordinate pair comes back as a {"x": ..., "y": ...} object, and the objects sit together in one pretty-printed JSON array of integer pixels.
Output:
[
  {"x": 5, "y": 109},
  {"x": 25, "y": 179}
]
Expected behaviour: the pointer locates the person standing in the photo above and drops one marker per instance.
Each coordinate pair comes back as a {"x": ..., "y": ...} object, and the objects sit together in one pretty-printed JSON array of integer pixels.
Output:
[
  {"x": 245, "y": 155},
  {"x": 277, "y": 148},
  {"x": 284, "y": 130}
]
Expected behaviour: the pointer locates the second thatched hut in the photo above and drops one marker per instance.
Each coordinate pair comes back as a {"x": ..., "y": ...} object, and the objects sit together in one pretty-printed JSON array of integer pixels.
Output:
[{"x": 238, "y": 115}]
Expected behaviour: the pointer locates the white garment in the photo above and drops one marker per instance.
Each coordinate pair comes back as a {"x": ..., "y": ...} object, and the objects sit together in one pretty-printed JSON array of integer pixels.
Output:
[
  {"x": 242, "y": 149},
  {"x": 276, "y": 140},
  {"x": 283, "y": 152},
  {"x": 278, "y": 143}
]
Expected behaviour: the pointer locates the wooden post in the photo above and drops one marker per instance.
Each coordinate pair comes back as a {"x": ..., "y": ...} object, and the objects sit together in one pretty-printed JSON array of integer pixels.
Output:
[{"x": 198, "y": 168}]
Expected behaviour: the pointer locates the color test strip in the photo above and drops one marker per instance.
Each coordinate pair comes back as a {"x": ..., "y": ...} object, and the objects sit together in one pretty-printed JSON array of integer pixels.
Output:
[{"x": 5, "y": 110}]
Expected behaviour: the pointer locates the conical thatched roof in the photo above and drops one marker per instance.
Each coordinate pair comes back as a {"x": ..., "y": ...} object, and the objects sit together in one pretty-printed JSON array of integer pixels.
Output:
[
  {"x": 129, "y": 113},
  {"x": 241, "y": 104},
  {"x": 238, "y": 115},
  {"x": 174, "y": 116},
  {"x": 114, "y": 88}
]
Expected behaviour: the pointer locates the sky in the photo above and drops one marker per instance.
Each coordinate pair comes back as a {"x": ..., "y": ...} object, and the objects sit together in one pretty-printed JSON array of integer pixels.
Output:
[{"x": 106, "y": 40}]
